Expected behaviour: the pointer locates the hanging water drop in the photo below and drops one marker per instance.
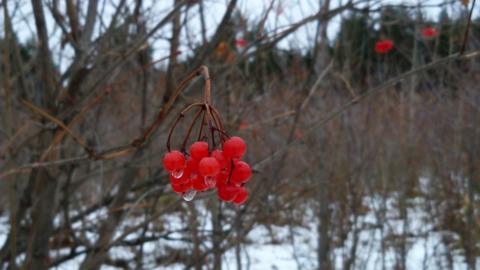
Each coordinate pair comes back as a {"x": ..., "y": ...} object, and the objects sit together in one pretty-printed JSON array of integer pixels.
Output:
[
  {"x": 210, "y": 181},
  {"x": 189, "y": 195}
]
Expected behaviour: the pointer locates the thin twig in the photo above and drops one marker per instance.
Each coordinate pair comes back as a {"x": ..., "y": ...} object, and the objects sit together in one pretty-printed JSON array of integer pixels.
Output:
[
  {"x": 189, "y": 131},
  {"x": 52, "y": 118},
  {"x": 467, "y": 30}
]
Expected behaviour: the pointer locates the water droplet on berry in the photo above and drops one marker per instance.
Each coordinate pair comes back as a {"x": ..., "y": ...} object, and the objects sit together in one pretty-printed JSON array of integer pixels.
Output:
[
  {"x": 189, "y": 195},
  {"x": 210, "y": 181},
  {"x": 177, "y": 174}
]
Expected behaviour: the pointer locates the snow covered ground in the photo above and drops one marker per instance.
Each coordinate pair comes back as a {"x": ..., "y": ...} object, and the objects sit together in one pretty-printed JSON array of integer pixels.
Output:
[
  {"x": 425, "y": 249},
  {"x": 423, "y": 253}
]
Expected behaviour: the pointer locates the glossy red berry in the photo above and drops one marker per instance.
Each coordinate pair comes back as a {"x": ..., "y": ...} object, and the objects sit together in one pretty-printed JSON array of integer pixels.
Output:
[
  {"x": 198, "y": 183},
  {"x": 242, "y": 196},
  {"x": 208, "y": 166},
  {"x": 221, "y": 179},
  {"x": 234, "y": 148},
  {"x": 192, "y": 165},
  {"x": 241, "y": 172},
  {"x": 174, "y": 161},
  {"x": 182, "y": 186},
  {"x": 199, "y": 150},
  {"x": 222, "y": 161},
  {"x": 183, "y": 178},
  {"x": 227, "y": 193}
]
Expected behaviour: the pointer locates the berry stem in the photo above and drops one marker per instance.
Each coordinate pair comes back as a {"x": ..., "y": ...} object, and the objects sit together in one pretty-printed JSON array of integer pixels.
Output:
[
  {"x": 218, "y": 121},
  {"x": 207, "y": 98},
  {"x": 200, "y": 131},
  {"x": 223, "y": 133},
  {"x": 208, "y": 119},
  {"x": 185, "y": 140},
  {"x": 189, "y": 107},
  {"x": 179, "y": 118}
]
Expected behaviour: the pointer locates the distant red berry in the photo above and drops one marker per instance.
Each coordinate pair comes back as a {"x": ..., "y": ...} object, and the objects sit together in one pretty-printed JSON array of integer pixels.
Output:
[
  {"x": 383, "y": 46},
  {"x": 208, "y": 166},
  {"x": 241, "y": 172},
  {"x": 429, "y": 32},
  {"x": 174, "y": 161},
  {"x": 199, "y": 150},
  {"x": 234, "y": 148},
  {"x": 241, "y": 43},
  {"x": 242, "y": 196},
  {"x": 243, "y": 125},
  {"x": 227, "y": 193}
]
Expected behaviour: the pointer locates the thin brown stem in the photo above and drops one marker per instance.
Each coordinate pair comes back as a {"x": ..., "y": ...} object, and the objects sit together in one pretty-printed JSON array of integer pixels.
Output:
[
  {"x": 207, "y": 99},
  {"x": 187, "y": 136},
  {"x": 200, "y": 131},
  {"x": 209, "y": 123},
  {"x": 222, "y": 133},
  {"x": 179, "y": 118},
  {"x": 218, "y": 119}
]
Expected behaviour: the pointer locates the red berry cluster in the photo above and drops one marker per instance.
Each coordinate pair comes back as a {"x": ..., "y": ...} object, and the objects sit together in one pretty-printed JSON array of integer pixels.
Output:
[
  {"x": 429, "y": 32},
  {"x": 203, "y": 170},
  {"x": 383, "y": 46}
]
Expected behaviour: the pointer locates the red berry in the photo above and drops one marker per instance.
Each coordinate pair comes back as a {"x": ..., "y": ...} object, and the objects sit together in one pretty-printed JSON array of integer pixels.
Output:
[
  {"x": 429, "y": 32},
  {"x": 198, "y": 184},
  {"x": 222, "y": 161},
  {"x": 241, "y": 172},
  {"x": 383, "y": 46},
  {"x": 199, "y": 150},
  {"x": 227, "y": 193},
  {"x": 222, "y": 179},
  {"x": 192, "y": 165},
  {"x": 241, "y": 43},
  {"x": 174, "y": 161},
  {"x": 242, "y": 196},
  {"x": 184, "y": 178},
  {"x": 234, "y": 147},
  {"x": 208, "y": 166},
  {"x": 182, "y": 186},
  {"x": 243, "y": 125}
]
